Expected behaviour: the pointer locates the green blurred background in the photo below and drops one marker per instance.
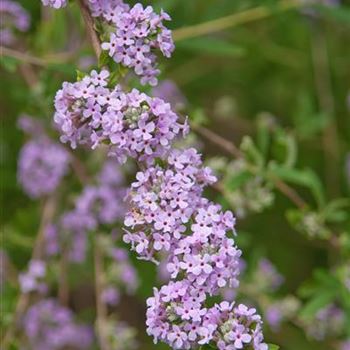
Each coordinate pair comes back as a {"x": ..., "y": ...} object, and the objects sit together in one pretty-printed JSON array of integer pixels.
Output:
[{"x": 293, "y": 65}]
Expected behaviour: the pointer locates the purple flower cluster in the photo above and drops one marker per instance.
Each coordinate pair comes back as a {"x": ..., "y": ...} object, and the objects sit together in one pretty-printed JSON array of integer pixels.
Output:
[
  {"x": 176, "y": 316},
  {"x": 164, "y": 200},
  {"x": 13, "y": 17},
  {"x": 41, "y": 166},
  {"x": 167, "y": 212},
  {"x": 135, "y": 125},
  {"x": 137, "y": 33},
  {"x": 49, "y": 326},
  {"x": 33, "y": 279},
  {"x": 100, "y": 204}
]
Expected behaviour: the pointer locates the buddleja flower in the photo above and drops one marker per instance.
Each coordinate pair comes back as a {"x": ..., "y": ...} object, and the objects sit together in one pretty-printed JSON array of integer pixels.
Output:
[
  {"x": 133, "y": 124},
  {"x": 177, "y": 316},
  {"x": 48, "y": 325},
  {"x": 136, "y": 34},
  {"x": 13, "y": 17},
  {"x": 164, "y": 200},
  {"x": 41, "y": 166}
]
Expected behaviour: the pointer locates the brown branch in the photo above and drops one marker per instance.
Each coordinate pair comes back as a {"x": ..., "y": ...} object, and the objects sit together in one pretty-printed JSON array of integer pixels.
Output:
[
  {"x": 34, "y": 60},
  {"x": 89, "y": 24},
  {"x": 101, "y": 309},
  {"x": 24, "y": 298},
  {"x": 63, "y": 287},
  {"x": 233, "y": 150},
  {"x": 289, "y": 192},
  {"x": 216, "y": 139}
]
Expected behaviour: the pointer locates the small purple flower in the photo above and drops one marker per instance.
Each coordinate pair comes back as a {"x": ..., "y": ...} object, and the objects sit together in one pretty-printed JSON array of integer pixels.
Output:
[{"x": 138, "y": 32}]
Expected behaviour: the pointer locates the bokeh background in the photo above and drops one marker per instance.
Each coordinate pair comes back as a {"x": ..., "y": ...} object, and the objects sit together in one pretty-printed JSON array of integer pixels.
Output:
[{"x": 282, "y": 77}]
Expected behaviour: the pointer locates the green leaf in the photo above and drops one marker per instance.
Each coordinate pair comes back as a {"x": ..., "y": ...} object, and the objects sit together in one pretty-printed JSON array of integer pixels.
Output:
[
  {"x": 334, "y": 212},
  {"x": 211, "y": 46},
  {"x": 80, "y": 75},
  {"x": 305, "y": 177},
  {"x": 113, "y": 79},
  {"x": 289, "y": 147},
  {"x": 263, "y": 133},
  {"x": 103, "y": 59},
  {"x": 321, "y": 299},
  {"x": 251, "y": 152},
  {"x": 273, "y": 346}
]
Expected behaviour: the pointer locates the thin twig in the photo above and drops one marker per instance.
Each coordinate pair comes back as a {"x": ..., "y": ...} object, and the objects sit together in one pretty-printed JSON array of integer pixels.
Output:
[
  {"x": 89, "y": 23},
  {"x": 233, "y": 150},
  {"x": 101, "y": 308},
  {"x": 228, "y": 146},
  {"x": 63, "y": 287},
  {"x": 79, "y": 169},
  {"x": 233, "y": 20},
  {"x": 37, "y": 254},
  {"x": 34, "y": 60}
]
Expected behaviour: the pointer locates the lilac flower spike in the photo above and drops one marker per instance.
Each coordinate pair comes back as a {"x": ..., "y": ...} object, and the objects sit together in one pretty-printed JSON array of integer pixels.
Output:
[
  {"x": 136, "y": 33},
  {"x": 134, "y": 124},
  {"x": 167, "y": 213}
]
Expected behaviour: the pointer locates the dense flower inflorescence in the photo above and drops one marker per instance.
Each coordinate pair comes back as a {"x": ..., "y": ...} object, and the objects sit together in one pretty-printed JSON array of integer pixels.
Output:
[
  {"x": 176, "y": 315},
  {"x": 13, "y": 17},
  {"x": 167, "y": 211},
  {"x": 137, "y": 33},
  {"x": 50, "y": 326},
  {"x": 41, "y": 166},
  {"x": 168, "y": 214},
  {"x": 134, "y": 124}
]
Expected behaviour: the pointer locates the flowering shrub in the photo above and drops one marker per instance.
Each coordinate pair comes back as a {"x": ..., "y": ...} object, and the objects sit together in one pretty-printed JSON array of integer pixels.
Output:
[{"x": 127, "y": 193}]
